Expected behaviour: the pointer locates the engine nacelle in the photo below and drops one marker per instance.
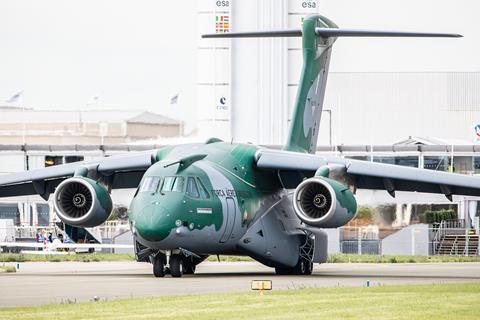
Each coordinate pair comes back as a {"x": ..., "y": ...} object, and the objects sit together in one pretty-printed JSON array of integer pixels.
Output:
[
  {"x": 82, "y": 202},
  {"x": 324, "y": 203}
]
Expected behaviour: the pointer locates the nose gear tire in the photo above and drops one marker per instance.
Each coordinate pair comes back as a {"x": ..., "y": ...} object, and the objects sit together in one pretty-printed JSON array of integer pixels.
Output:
[
  {"x": 176, "y": 265},
  {"x": 159, "y": 267}
]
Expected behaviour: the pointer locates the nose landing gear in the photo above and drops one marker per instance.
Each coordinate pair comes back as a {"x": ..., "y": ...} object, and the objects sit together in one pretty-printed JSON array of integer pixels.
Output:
[
  {"x": 163, "y": 264},
  {"x": 176, "y": 264},
  {"x": 159, "y": 266}
]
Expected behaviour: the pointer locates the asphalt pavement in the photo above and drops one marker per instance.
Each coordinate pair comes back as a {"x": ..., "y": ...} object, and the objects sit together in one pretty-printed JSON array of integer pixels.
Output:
[{"x": 38, "y": 283}]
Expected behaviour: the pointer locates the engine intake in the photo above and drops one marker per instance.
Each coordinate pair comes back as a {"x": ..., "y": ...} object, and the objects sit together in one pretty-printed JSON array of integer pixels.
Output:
[
  {"x": 324, "y": 203},
  {"x": 82, "y": 202}
]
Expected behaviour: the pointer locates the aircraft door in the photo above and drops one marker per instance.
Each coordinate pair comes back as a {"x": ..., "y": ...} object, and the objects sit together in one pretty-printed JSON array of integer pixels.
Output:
[{"x": 229, "y": 219}]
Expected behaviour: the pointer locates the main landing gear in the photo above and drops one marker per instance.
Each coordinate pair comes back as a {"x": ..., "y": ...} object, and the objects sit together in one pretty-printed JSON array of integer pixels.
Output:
[
  {"x": 303, "y": 267},
  {"x": 177, "y": 266}
]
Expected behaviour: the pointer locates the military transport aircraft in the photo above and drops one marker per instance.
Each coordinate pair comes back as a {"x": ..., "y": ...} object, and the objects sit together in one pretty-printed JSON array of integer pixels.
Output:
[{"x": 216, "y": 198}]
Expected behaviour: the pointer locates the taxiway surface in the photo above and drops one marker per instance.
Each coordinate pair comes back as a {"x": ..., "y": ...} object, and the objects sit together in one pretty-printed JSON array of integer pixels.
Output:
[{"x": 63, "y": 282}]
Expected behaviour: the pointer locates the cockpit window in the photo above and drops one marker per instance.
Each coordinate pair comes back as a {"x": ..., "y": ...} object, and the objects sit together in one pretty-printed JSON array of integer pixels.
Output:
[
  {"x": 150, "y": 184},
  {"x": 168, "y": 183},
  {"x": 203, "y": 190},
  {"x": 192, "y": 189},
  {"x": 178, "y": 184},
  {"x": 174, "y": 184}
]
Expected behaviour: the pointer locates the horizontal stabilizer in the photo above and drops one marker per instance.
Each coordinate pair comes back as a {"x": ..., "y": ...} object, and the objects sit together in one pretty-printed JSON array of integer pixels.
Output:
[
  {"x": 257, "y": 34},
  {"x": 330, "y": 32}
]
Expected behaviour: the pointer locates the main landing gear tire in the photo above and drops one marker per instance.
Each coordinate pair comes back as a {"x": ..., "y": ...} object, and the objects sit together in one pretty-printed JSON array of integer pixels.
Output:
[
  {"x": 176, "y": 265},
  {"x": 189, "y": 268},
  {"x": 309, "y": 268},
  {"x": 303, "y": 267},
  {"x": 283, "y": 271},
  {"x": 159, "y": 266}
]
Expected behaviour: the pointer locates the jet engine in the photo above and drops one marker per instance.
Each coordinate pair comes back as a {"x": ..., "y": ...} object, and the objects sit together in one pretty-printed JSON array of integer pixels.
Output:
[
  {"x": 324, "y": 203},
  {"x": 82, "y": 202}
]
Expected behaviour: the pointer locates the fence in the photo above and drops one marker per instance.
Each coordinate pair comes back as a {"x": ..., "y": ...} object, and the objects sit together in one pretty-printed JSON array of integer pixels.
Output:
[
  {"x": 443, "y": 239},
  {"x": 420, "y": 239},
  {"x": 12, "y": 233}
]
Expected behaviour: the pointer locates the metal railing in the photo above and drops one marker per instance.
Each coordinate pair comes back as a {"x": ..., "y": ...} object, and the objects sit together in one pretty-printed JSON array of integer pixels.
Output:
[
  {"x": 444, "y": 228},
  {"x": 15, "y": 233},
  {"x": 445, "y": 238}
]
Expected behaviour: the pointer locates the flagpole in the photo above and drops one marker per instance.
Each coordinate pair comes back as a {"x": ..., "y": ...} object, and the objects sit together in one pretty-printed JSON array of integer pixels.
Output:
[
  {"x": 174, "y": 100},
  {"x": 24, "y": 128},
  {"x": 16, "y": 101},
  {"x": 24, "y": 125}
]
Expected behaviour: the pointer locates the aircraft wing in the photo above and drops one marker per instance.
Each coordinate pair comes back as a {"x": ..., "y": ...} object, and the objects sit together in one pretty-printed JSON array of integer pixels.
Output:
[
  {"x": 122, "y": 171},
  {"x": 294, "y": 167}
]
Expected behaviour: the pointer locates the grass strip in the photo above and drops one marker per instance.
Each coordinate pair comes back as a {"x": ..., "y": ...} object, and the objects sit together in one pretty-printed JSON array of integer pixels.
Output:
[{"x": 439, "y": 301}]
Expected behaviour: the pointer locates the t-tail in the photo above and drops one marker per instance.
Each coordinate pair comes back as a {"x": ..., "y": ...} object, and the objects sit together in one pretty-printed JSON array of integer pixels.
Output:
[{"x": 318, "y": 35}]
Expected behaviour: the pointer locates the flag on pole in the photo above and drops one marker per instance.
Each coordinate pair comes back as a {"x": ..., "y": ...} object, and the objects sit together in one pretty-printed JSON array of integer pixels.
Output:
[
  {"x": 15, "y": 98},
  {"x": 477, "y": 130},
  {"x": 174, "y": 99}
]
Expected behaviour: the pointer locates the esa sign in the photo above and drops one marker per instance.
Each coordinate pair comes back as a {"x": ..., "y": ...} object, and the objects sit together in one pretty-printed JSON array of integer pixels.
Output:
[
  {"x": 309, "y": 4},
  {"x": 303, "y": 6},
  {"x": 223, "y": 3}
]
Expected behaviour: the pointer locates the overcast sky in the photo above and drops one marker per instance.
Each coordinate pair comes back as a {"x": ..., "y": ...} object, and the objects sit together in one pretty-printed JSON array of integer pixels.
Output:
[
  {"x": 138, "y": 54},
  {"x": 133, "y": 54},
  {"x": 393, "y": 54}
]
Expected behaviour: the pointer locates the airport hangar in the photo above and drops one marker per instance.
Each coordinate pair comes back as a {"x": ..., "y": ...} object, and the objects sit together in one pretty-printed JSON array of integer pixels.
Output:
[{"x": 414, "y": 117}]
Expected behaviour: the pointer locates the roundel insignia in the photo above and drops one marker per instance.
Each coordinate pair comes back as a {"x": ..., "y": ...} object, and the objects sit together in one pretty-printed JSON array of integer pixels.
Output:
[{"x": 477, "y": 130}]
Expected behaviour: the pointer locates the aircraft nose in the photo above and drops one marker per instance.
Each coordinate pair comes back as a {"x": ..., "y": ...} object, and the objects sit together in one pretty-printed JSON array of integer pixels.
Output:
[{"x": 154, "y": 223}]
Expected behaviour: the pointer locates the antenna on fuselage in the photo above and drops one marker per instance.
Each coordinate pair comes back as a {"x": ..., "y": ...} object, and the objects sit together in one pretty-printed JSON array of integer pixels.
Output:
[{"x": 186, "y": 161}]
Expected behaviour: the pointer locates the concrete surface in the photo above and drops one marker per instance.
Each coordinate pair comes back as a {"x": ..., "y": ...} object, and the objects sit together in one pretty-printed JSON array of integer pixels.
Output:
[{"x": 60, "y": 282}]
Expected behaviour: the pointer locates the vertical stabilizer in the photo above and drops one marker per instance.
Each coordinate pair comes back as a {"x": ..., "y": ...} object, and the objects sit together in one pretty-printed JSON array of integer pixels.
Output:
[
  {"x": 307, "y": 111},
  {"x": 318, "y": 35}
]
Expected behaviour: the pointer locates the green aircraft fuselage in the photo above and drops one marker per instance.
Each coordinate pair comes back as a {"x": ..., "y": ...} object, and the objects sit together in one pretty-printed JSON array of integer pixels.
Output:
[{"x": 213, "y": 199}]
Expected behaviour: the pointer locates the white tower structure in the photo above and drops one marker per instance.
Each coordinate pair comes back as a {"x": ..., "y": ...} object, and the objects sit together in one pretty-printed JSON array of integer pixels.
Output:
[
  {"x": 246, "y": 87},
  {"x": 214, "y": 70}
]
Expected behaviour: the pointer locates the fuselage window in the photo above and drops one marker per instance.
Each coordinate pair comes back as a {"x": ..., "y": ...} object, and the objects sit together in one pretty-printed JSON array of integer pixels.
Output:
[
  {"x": 174, "y": 184},
  {"x": 192, "y": 189},
  {"x": 203, "y": 190},
  {"x": 150, "y": 184}
]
